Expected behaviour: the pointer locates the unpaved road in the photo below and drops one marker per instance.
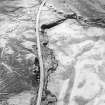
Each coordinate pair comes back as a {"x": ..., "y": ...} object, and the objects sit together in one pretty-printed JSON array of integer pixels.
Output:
[{"x": 73, "y": 54}]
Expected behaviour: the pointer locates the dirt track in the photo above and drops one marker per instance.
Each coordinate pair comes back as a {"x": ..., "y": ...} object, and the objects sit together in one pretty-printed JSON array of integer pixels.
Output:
[{"x": 73, "y": 51}]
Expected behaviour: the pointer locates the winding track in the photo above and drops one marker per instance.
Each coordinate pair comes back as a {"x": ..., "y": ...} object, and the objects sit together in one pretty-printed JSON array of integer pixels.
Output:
[{"x": 40, "y": 55}]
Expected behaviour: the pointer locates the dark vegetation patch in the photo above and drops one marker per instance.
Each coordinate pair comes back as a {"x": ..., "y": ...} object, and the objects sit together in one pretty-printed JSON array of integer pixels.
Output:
[
  {"x": 25, "y": 73},
  {"x": 81, "y": 101}
]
